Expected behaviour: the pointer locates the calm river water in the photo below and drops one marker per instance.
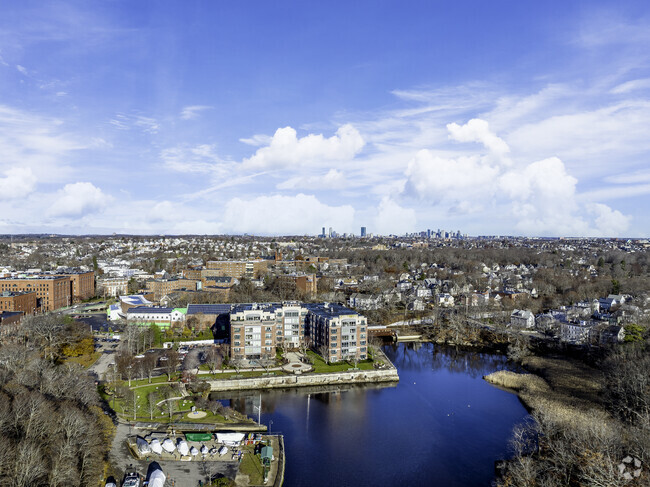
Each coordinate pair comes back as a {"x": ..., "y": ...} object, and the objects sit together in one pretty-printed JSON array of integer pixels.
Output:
[{"x": 442, "y": 425}]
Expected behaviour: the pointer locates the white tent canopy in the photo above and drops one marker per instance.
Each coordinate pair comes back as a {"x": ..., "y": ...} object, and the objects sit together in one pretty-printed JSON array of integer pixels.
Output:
[{"x": 232, "y": 439}]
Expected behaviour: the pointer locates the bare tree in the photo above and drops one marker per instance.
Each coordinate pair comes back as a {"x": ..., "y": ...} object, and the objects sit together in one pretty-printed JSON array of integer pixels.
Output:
[
  {"x": 152, "y": 401},
  {"x": 148, "y": 364},
  {"x": 171, "y": 364},
  {"x": 47, "y": 329},
  {"x": 323, "y": 350},
  {"x": 214, "y": 359},
  {"x": 125, "y": 364}
]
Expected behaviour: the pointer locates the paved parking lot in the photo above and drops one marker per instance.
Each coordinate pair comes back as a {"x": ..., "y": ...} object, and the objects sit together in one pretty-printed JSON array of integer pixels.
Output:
[{"x": 178, "y": 473}]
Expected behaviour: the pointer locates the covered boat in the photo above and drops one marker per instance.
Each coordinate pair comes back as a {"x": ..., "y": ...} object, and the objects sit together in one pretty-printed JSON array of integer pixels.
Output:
[
  {"x": 182, "y": 447},
  {"x": 223, "y": 450},
  {"x": 143, "y": 446},
  {"x": 168, "y": 445},
  {"x": 204, "y": 450},
  {"x": 193, "y": 451},
  {"x": 155, "y": 446},
  {"x": 157, "y": 477}
]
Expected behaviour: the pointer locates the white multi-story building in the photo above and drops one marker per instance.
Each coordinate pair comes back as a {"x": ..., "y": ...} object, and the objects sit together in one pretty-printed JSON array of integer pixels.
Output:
[
  {"x": 256, "y": 330},
  {"x": 337, "y": 332}
]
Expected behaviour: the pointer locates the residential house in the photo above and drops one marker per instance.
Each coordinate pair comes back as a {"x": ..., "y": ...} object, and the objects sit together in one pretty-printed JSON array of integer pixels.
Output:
[{"x": 522, "y": 318}]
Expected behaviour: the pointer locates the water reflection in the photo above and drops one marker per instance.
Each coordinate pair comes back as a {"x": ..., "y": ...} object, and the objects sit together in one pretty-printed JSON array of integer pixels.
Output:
[
  {"x": 441, "y": 425},
  {"x": 418, "y": 356}
]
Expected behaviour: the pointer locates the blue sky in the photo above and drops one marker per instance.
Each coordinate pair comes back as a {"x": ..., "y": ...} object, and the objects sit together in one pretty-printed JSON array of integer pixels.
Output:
[{"x": 500, "y": 117}]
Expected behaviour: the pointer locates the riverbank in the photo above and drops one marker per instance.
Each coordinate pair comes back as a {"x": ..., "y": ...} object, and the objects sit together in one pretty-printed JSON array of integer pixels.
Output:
[
  {"x": 563, "y": 390},
  {"x": 307, "y": 380}
]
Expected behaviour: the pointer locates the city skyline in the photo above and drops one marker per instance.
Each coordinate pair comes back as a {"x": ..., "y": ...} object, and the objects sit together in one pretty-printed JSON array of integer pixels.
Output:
[{"x": 283, "y": 118}]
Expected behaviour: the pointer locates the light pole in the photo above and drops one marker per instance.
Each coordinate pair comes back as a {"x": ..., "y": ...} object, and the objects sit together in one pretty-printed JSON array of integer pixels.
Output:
[{"x": 270, "y": 425}]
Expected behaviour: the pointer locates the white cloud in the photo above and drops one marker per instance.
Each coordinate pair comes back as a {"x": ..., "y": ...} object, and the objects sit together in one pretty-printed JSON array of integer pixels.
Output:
[
  {"x": 477, "y": 130},
  {"x": 17, "y": 182},
  {"x": 287, "y": 150},
  {"x": 285, "y": 215},
  {"x": 78, "y": 199},
  {"x": 126, "y": 122},
  {"x": 37, "y": 142},
  {"x": 540, "y": 198},
  {"x": 257, "y": 140},
  {"x": 192, "y": 111},
  {"x": 22, "y": 69},
  {"x": 610, "y": 222},
  {"x": 632, "y": 85},
  {"x": 201, "y": 158},
  {"x": 438, "y": 179},
  {"x": 333, "y": 179},
  {"x": 392, "y": 218}
]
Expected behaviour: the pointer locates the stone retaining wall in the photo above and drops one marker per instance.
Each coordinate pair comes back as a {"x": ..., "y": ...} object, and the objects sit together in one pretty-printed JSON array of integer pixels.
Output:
[{"x": 281, "y": 382}]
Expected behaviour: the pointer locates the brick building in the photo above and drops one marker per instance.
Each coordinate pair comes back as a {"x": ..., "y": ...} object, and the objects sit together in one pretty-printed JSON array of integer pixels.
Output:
[
  {"x": 250, "y": 269},
  {"x": 162, "y": 287},
  {"x": 82, "y": 285},
  {"x": 26, "y": 302},
  {"x": 52, "y": 291},
  {"x": 305, "y": 283}
]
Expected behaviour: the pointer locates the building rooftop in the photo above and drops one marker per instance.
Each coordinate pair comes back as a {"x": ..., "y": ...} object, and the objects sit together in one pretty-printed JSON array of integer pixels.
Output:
[
  {"x": 208, "y": 309},
  {"x": 150, "y": 310},
  {"x": 329, "y": 310}
]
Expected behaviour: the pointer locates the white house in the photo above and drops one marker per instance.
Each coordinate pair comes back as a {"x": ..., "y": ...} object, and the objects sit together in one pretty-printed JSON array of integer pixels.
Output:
[
  {"x": 522, "y": 318},
  {"x": 444, "y": 299}
]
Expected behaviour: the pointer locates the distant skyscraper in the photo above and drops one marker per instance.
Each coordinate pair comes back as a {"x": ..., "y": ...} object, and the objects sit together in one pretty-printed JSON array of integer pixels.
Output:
[
  {"x": 363, "y": 231},
  {"x": 323, "y": 234},
  {"x": 330, "y": 234}
]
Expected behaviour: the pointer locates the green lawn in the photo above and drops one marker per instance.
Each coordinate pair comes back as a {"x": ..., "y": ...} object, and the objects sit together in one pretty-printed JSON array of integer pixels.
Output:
[
  {"x": 183, "y": 406},
  {"x": 154, "y": 380},
  {"x": 251, "y": 465},
  {"x": 320, "y": 367}
]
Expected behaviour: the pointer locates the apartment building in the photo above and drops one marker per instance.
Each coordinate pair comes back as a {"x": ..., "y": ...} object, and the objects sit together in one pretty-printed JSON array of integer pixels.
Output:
[
  {"x": 305, "y": 283},
  {"x": 162, "y": 287},
  {"x": 250, "y": 269},
  {"x": 253, "y": 330},
  {"x": 112, "y": 286},
  {"x": 23, "y": 301},
  {"x": 337, "y": 332},
  {"x": 52, "y": 291},
  {"x": 82, "y": 285}
]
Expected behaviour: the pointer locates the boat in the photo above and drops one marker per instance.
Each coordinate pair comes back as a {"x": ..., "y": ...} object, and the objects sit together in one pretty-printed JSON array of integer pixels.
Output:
[
  {"x": 131, "y": 478},
  {"x": 168, "y": 445},
  {"x": 156, "y": 477},
  {"x": 156, "y": 447}
]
